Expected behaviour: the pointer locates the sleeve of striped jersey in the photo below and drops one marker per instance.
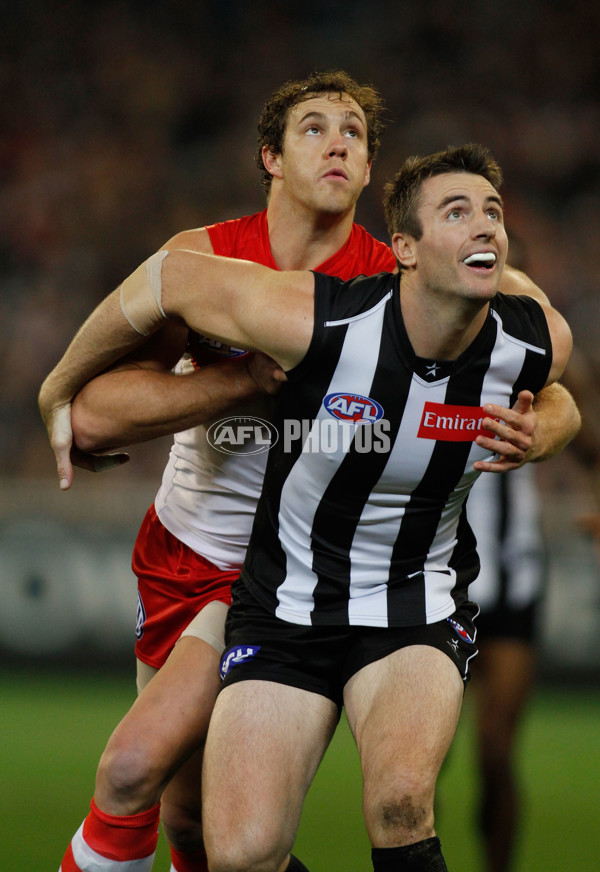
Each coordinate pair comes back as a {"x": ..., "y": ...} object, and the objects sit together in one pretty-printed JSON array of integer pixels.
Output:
[
  {"x": 335, "y": 301},
  {"x": 524, "y": 318},
  {"x": 321, "y": 310}
]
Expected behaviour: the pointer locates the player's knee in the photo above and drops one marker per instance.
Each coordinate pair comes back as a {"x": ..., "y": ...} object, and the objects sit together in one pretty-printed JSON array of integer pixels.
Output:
[
  {"x": 405, "y": 814},
  {"x": 249, "y": 864},
  {"x": 127, "y": 781},
  {"x": 252, "y": 855},
  {"x": 407, "y": 817}
]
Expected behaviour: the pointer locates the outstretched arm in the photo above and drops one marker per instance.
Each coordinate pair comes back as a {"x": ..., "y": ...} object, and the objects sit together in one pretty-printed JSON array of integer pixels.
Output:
[
  {"x": 141, "y": 398},
  {"x": 240, "y": 303},
  {"x": 128, "y": 405}
]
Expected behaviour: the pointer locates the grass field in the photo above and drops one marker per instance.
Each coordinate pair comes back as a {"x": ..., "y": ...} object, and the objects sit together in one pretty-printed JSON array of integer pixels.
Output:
[{"x": 54, "y": 727}]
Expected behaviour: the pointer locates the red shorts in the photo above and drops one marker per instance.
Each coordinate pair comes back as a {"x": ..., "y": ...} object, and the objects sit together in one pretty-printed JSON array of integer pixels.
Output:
[{"x": 174, "y": 584}]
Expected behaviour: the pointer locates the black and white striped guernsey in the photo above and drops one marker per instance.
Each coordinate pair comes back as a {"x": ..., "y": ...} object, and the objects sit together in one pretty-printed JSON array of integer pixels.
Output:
[{"x": 361, "y": 519}]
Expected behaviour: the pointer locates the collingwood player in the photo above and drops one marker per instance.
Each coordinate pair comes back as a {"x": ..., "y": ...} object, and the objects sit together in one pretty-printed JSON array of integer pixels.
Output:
[{"x": 355, "y": 587}]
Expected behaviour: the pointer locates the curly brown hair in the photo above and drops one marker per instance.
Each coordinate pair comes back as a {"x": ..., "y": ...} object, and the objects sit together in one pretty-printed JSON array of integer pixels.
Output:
[
  {"x": 273, "y": 118},
  {"x": 402, "y": 195}
]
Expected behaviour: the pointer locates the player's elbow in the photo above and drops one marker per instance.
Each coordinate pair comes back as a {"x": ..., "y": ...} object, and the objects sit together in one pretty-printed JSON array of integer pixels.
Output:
[{"x": 91, "y": 433}]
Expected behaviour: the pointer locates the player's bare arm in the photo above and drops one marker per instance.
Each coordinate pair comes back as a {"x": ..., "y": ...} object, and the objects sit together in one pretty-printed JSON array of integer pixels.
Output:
[
  {"x": 237, "y": 302},
  {"x": 240, "y": 303},
  {"x": 140, "y": 400},
  {"x": 105, "y": 406},
  {"x": 536, "y": 428}
]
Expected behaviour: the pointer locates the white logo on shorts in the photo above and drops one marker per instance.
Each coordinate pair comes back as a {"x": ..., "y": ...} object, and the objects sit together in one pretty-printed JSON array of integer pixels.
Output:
[
  {"x": 453, "y": 644},
  {"x": 236, "y": 655}
]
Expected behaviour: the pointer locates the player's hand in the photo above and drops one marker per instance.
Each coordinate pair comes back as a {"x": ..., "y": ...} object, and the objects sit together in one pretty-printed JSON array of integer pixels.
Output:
[
  {"x": 514, "y": 430},
  {"x": 265, "y": 373},
  {"x": 60, "y": 434}
]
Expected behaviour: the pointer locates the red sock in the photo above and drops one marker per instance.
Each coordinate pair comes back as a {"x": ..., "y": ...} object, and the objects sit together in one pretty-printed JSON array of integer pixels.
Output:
[
  {"x": 181, "y": 862},
  {"x": 113, "y": 842}
]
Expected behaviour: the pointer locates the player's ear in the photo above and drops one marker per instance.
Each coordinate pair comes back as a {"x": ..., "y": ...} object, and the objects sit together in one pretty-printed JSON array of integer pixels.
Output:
[
  {"x": 367, "y": 174},
  {"x": 403, "y": 246},
  {"x": 272, "y": 161}
]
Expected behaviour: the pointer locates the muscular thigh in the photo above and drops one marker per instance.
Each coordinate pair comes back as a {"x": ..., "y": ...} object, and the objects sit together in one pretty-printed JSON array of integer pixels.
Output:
[
  {"x": 264, "y": 745},
  {"x": 406, "y": 704},
  {"x": 169, "y": 719},
  {"x": 403, "y": 711}
]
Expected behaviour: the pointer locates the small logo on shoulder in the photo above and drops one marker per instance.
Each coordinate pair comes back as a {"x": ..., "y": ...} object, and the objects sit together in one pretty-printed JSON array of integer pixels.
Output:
[
  {"x": 236, "y": 655},
  {"x": 461, "y": 631}
]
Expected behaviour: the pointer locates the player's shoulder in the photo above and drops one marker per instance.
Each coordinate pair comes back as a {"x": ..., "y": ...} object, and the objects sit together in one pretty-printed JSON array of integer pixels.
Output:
[
  {"x": 515, "y": 302},
  {"x": 223, "y": 237},
  {"x": 515, "y": 307},
  {"x": 195, "y": 239},
  {"x": 373, "y": 251},
  {"x": 523, "y": 317},
  {"x": 346, "y": 299},
  {"x": 514, "y": 281}
]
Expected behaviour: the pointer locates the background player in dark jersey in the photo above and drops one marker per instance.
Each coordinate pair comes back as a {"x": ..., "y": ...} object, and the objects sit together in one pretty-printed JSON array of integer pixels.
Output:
[
  {"x": 505, "y": 513},
  {"x": 268, "y": 736}
]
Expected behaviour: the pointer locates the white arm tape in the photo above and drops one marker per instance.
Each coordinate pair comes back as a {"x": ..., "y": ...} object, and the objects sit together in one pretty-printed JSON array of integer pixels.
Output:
[{"x": 141, "y": 295}]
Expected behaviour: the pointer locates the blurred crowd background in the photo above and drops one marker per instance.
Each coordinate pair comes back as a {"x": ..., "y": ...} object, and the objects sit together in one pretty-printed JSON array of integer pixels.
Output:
[{"x": 125, "y": 122}]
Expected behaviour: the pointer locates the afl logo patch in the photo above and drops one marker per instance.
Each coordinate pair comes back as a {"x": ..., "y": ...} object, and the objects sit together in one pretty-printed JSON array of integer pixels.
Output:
[
  {"x": 353, "y": 407},
  {"x": 460, "y": 630},
  {"x": 236, "y": 655}
]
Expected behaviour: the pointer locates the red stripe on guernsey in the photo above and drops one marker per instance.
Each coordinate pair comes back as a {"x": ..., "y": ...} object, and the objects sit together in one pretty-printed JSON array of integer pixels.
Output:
[
  {"x": 448, "y": 423},
  {"x": 126, "y": 837}
]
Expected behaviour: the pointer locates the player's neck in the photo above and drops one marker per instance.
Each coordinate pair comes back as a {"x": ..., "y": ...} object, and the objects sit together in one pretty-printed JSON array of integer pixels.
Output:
[
  {"x": 303, "y": 239},
  {"x": 437, "y": 331}
]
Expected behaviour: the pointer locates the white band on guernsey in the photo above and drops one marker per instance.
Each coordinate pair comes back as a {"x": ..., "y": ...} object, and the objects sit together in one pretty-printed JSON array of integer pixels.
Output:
[{"x": 141, "y": 295}]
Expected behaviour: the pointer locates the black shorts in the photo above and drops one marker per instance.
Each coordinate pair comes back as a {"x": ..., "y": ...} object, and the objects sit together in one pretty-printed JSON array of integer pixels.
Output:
[{"x": 259, "y": 645}]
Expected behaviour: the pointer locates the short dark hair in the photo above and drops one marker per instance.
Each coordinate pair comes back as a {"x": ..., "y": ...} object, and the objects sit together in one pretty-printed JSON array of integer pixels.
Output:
[
  {"x": 402, "y": 195},
  {"x": 273, "y": 118}
]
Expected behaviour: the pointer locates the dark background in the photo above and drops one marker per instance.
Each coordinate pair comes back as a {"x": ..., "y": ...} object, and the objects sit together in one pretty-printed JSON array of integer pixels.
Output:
[{"x": 125, "y": 122}]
